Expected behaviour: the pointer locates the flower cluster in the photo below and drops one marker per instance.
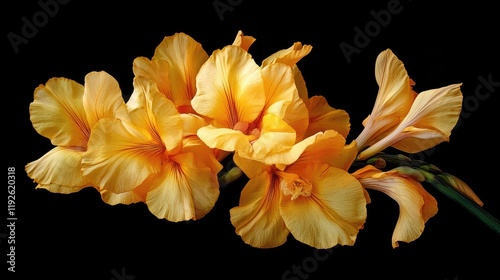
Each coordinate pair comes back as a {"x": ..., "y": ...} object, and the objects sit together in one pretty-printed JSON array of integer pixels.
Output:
[{"x": 190, "y": 111}]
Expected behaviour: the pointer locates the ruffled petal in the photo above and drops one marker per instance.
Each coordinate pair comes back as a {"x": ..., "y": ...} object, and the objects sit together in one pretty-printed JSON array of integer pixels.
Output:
[
  {"x": 59, "y": 170},
  {"x": 185, "y": 57},
  {"x": 332, "y": 214},
  {"x": 118, "y": 160},
  {"x": 230, "y": 88},
  {"x": 156, "y": 70},
  {"x": 416, "y": 206},
  {"x": 243, "y": 41},
  {"x": 323, "y": 117},
  {"x": 225, "y": 139},
  {"x": 183, "y": 190},
  {"x": 257, "y": 217},
  {"x": 102, "y": 98},
  {"x": 57, "y": 113}
]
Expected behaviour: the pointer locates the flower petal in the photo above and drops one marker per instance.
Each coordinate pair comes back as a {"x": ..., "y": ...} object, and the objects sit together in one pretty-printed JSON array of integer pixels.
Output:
[
  {"x": 333, "y": 213},
  {"x": 57, "y": 113},
  {"x": 118, "y": 160},
  {"x": 243, "y": 41},
  {"x": 323, "y": 117},
  {"x": 102, "y": 98},
  {"x": 230, "y": 88},
  {"x": 257, "y": 218},
  {"x": 59, "y": 170},
  {"x": 183, "y": 190},
  {"x": 185, "y": 57},
  {"x": 416, "y": 205}
]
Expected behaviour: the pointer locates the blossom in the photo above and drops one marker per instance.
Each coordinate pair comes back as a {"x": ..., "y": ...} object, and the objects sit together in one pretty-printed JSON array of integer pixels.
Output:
[
  {"x": 246, "y": 104},
  {"x": 403, "y": 119},
  {"x": 314, "y": 198},
  {"x": 65, "y": 112},
  {"x": 416, "y": 205},
  {"x": 147, "y": 155}
]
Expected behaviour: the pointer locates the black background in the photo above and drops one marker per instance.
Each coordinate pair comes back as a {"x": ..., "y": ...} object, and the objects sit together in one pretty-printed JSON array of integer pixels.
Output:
[{"x": 78, "y": 236}]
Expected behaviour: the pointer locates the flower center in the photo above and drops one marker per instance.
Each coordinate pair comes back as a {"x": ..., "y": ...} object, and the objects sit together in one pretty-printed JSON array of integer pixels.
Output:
[{"x": 295, "y": 185}]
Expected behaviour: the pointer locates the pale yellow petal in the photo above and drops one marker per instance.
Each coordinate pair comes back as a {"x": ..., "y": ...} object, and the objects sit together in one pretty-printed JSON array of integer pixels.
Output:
[
  {"x": 250, "y": 167},
  {"x": 57, "y": 113},
  {"x": 126, "y": 198},
  {"x": 156, "y": 70},
  {"x": 230, "y": 88},
  {"x": 118, "y": 160},
  {"x": 289, "y": 56},
  {"x": 102, "y": 98},
  {"x": 323, "y": 117},
  {"x": 163, "y": 120},
  {"x": 416, "y": 206},
  {"x": 257, "y": 218},
  {"x": 59, "y": 170},
  {"x": 225, "y": 139},
  {"x": 243, "y": 41},
  {"x": 185, "y": 57},
  {"x": 183, "y": 190},
  {"x": 332, "y": 214}
]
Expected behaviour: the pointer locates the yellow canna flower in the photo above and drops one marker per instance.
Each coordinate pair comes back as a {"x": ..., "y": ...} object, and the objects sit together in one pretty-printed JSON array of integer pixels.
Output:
[
  {"x": 416, "y": 205},
  {"x": 65, "y": 112},
  {"x": 403, "y": 119},
  {"x": 314, "y": 198},
  {"x": 173, "y": 67},
  {"x": 324, "y": 117},
  {"x": 148, "y": 158}
]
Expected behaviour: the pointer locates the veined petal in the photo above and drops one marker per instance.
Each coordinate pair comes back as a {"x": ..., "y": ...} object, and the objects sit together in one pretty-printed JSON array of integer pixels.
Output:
[
  {"x": 182, "y": 190},
  {"x": 416, "y": 206},
  {"x": 126, "y": 198},
  {"x": 257, "y": 218},
  {"x": 279, "y": 87},
  {"x": 394, "y": 99},
  {"x": 289, "y": 56},
  {"x": 185, "y": 57},
  {"x": 156, "y": 70},
  {"x": 323, "y": 147},
  {"x": 102, "y": 98},
  {"x": 428, "y": 123},
  {"x": 243, "y": 41},
  {"x": 230, "y": 88},
  {"x": 225, "y": 139},
  {"x": 204, "y": 155},
  {"x": 275, "y": 136},
  {"x": 323, "y": 117},
  {"x": 163, "y": 120},
  {"x": 59, "y": 170},
  {"x": 57, "y": 113},
  {"x": 250, "y": 167},
  {"x": 118, "y": 160},
  {"x": 332, "y": 214}
]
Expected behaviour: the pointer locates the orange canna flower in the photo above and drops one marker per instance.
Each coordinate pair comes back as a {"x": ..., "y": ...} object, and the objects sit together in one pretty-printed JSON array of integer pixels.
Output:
[
  {"x": 148, "y": 158},
  {"x": 65, "y": 112},
  {"x": 314, "y": 198},
  {"x": 416, "y": 205}
]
